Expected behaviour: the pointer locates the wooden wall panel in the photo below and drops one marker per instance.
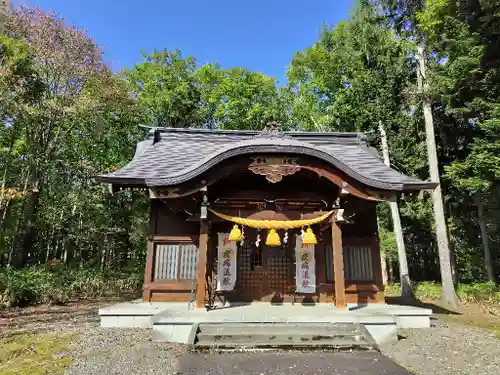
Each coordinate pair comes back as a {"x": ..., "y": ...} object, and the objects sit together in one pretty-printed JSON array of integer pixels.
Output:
[
  {"x": 364, "y": 217},
  {"x": 171, "y": 296},
  {"x": 169, "y": 223},
  {"x": 169, "y": 271}
]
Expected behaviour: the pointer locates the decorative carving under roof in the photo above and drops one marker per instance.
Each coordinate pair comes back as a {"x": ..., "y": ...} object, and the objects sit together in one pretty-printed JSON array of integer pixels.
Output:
[
  {"x": 271, "y": 131},
  {"x": 274, "y": 168}
]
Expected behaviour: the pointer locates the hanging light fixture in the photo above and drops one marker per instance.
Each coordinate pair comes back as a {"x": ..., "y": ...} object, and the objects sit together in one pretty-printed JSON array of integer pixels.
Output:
[
  {"x": 235, "y": 234},
  {"x": 309, "y": 237},
  {"x": 273, "y": 238}
]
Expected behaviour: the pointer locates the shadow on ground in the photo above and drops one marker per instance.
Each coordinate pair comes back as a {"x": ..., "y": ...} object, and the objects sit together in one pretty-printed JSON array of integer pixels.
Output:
[{"x": 436, "y": 308}]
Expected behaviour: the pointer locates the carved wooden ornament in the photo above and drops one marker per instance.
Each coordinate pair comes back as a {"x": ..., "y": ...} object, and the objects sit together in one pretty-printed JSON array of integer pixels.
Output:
[{"x": 273, "y": 168}]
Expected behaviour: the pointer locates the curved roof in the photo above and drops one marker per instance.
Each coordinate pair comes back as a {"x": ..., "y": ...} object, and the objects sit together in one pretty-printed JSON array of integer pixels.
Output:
[{"x": 174, "y": 156}]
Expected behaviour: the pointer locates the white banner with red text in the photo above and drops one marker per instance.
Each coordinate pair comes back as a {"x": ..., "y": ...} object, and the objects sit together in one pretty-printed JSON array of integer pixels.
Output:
[
  {"x": 305, "y": 275},
  {"x": 226, "y": 263}
]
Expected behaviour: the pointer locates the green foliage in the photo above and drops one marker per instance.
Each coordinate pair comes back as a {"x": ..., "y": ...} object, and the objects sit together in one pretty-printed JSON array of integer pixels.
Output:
[
  {"x": 487, "y": 292},
  {"x": 358, "y": 61},
  {"x": 480, "y": 170},
  {"x": 176, "y": 92},
  {"x": 428, "y": 290},
  {"x": 165, "y": 86},
  {"x": 59, "y": 285},
  {"x": 482, "y": 292},
  {"x": 66, "y": 118},
  {"x": 388, "y": 244},
  {"x": 238, "y": 99}
]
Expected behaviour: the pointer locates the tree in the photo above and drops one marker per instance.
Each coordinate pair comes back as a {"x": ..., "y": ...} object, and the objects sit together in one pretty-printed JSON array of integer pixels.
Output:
[
  {"x": 239, "y": 99},
  {"x": 361, "y": 61},
  {"x": 358, "y": 61},
  {"x": 479, "y": 174},
  {"x": 464, "y": 78},
  {"x": 406, "y": 287},
  {"x": 166, "y": 87},
  {"x": 404, "y": 14},
  {"x": 176, "y": 92},
  {"x": 49, "y": 112}
]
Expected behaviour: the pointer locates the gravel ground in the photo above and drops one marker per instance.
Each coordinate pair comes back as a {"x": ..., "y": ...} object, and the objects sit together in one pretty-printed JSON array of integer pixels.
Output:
[
  {"x": 122, "y": 352},
  {"x": 444, "y": 350},
  {"x": 449, "y": 349},
  {"x": 131, "y": 352}
]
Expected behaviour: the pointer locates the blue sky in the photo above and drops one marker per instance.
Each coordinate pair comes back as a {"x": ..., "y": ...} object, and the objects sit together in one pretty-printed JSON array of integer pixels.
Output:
[{"x": 256, "y": 34}]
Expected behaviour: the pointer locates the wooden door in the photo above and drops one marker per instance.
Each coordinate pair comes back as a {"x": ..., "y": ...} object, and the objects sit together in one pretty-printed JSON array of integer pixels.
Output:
[
  {"x": 279, "y": 266},
  {"x": 264, "y": 273},
  {"x": 251, "y": 280}
]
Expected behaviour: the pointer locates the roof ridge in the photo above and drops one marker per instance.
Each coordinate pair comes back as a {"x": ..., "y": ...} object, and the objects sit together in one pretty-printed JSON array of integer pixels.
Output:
[{"x": 257, "y": 132}]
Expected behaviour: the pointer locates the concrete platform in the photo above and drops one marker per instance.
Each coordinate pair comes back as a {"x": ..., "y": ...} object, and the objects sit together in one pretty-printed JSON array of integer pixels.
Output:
[
  {"x": 135, "y": 314},
  {"x": 176, "y": 322}
]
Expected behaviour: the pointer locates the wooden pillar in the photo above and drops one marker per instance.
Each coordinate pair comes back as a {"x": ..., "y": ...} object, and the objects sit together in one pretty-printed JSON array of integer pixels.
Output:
[
  {"x": 202, "y": 264},
  {"x": 377, "y": 269},
  {"x": 338, "y": 266},
  {"x": 148, "y": 271},
  {"x": 320, "y": 271}
]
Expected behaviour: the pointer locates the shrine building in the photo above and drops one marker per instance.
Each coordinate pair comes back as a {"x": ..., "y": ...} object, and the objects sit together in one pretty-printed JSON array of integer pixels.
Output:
[{"x": 276, "y": 217}]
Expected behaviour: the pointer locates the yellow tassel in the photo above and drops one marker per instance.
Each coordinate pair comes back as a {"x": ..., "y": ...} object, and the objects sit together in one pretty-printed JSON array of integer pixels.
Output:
[
  {"x": 235, "y": 234},
  {"x": 273, "y": 238},
  {"x": 309, "y": 237}
]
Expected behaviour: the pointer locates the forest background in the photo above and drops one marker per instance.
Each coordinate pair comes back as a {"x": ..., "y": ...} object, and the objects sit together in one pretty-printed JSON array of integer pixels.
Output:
[{"x": 67, "y": 117}]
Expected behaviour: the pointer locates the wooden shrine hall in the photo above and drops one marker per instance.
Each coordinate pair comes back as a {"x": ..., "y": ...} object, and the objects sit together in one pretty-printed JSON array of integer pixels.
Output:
[{"x": 262, "y": 216}]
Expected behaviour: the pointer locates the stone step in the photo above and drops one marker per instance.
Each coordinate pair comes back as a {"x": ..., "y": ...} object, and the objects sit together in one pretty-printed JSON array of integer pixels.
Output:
[
  {"x": 269, "y": 335},
  {"x": 241, "y": 328},
  {"x": 327, "y": 344},
  {"x": 265, "y": 337}
]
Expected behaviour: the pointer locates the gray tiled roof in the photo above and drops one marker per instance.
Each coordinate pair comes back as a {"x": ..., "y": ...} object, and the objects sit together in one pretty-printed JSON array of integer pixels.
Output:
[{"x": 178, "y": 155}]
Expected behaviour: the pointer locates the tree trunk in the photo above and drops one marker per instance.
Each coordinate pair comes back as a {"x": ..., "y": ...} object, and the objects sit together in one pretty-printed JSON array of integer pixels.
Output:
[
  {"x": 27, "y": 236},
  {"x": 453, "y": 255},
  {"x": 8, "y": 160},
  {"x": 383, "y": 261},
  {"x": 390, "y": 271},
  {"x": 488, "y": 263},
  {"x": 449, "y": 295},
  {"x": 406, "y": 289}
]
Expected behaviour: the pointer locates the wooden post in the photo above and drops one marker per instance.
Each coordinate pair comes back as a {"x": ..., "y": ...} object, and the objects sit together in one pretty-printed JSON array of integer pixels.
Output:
[
  {"x": 338, "y": 266},
  {"x": 377, "y": 271},
  {"x": 148, "y": 271},
  {"x": 202, "y": 264},
  {"x": 150, "y": 258}
]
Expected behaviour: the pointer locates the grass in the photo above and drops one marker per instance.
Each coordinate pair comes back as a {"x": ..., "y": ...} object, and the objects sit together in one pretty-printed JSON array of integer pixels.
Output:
[
  {"x": 35, "y": 354},
  {"x": 479, "y": 304},
  {"x": 473, "y": 314}
]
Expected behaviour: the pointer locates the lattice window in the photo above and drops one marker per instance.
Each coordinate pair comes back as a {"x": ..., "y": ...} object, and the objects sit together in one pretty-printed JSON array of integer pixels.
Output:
[
  {"x": 255, "y": 257},
  {"x": 358, "y": 265},
  {"x": 175, "y": 261}
]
